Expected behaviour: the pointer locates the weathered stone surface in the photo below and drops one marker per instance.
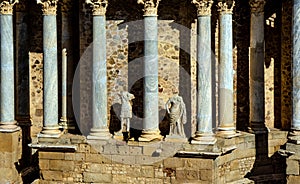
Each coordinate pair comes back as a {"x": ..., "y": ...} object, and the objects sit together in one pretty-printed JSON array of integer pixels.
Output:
[
  {"x": 97, "y": 177},
  {"x": 292, "y": 167}
]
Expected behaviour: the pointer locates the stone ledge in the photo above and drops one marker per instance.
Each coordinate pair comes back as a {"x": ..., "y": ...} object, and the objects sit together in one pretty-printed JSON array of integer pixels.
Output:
[{"x": 45, "y": 146}]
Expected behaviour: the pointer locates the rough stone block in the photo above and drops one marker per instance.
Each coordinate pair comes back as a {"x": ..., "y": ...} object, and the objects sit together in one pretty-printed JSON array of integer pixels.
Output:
[
  {"x": 149, "y": 150},
  {"x": 124, "y": 159},
  {"x": 51, "y": 155},
  {"x": 84, "y": 148},
  {"x": 186, "y": 175},
  {"x": 69, "y": 156},
  {"x": 44, "y": 164},
  {"x": 97, "y": 158},
  {"x": 123, "y": 150},
  {"x": 79, "y": 156},
  {"x": 97, "y": 178},
  {"x": 233, "y": 175},
  {"x": 148, "y": 160},
  {"x": 292, "y": 167},
  {"x": 147, "y": 171},
  {"x": 135, "y": 150},
  {"x": 293, "y": 179},
  {"x": 119, "y": 179},
  {"x": 198, "y": 163},
  {"x": 52, "y": 175},
  {"x": 206, "y": 175},
  {"x": 173, "y": 163},
  {"x": 9, "y": 141},
  {"x": 61, "y": 165}
]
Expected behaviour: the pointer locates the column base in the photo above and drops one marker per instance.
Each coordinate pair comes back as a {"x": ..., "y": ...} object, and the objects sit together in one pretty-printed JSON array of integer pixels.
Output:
[
  {"x": 150, "y": 135},
  {"x": 99, "y": 134},
  {"x": 175, "y": 138},
  {"x": 227, "y": 132},
  {"x": 66, "y": 124},
  {"x": 49, "y": 134},
  {"x": 294, "y": 137},
  {"x": 257, "y": 128},
  {"x": 204, "y": 138},
  {"x": 9, "y": 127}
]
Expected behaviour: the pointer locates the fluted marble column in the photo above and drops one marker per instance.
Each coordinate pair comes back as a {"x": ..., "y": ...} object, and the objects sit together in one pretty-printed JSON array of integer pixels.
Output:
[
  {"x": 204, "y": 133},
  {"x": 294, "y": 135},
  {"x": 257, "y": 58},
  {"x": 7, "y": 101},
  {"x": 150, "y": 124},
  {"x": 50, "y": 122},
  {"x": 226, "y": 123},
  {"x": 99, "y": 128}
]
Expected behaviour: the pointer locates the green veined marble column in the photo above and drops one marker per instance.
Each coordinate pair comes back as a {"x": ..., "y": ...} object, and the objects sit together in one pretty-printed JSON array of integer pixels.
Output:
[
  {"x": 225, "y": 110},
  {"x": 204, "y": 133},
  {"x": 50, "y": 122},
  {"x": 7, "y": 101},
  {"x": 99, "y": 128}
]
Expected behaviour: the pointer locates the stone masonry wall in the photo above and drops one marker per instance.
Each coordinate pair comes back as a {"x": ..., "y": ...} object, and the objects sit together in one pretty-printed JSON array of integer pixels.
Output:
[{"x": 116, "y": 162}]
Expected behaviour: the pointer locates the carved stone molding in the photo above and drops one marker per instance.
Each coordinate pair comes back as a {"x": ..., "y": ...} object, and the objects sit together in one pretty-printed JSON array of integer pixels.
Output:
[
  {"x": 6, "y": 7},
  {"x": 224, "y": 8},
  {"x": 257, "y": 6},
  {"x": 48, "y": 6},
  {"x": 99, "y": 6},
  {"x": 150, "y": 7},
  {"x": 203, "y": 7}
]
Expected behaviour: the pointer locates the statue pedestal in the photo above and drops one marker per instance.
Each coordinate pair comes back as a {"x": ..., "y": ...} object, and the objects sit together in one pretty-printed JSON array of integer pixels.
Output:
[{"x": 175, "y": 138}]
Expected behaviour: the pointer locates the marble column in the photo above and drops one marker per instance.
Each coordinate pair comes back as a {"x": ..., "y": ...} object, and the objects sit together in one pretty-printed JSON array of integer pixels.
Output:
[
  {"x": 50, "y": 121},
  {"x": 204, "y": 133},
  {"x": 294, "y": 134},
  {"x": 257, "y": 58},
  {"x": 64, "y": 118},
  {"x": 99, "y": 128},
  {"x": 226, "y": 125},
  {"x": 7, "y": 101},
  {"x": 150, "y": 123}
]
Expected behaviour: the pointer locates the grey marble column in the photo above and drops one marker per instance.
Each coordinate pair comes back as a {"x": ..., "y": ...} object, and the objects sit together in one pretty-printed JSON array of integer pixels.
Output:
[
  {"x": 150, "y": 123},
  {"x": 204, "y": 133},
  {"x": 50, "y": 121},
  {"x": 225, "y": 110},
  {"x": 294, "y": 135},
  {"x": 257, "y": 58},
  {"x": 7, "y": 101},
  {"x": 99, "y": 128}
]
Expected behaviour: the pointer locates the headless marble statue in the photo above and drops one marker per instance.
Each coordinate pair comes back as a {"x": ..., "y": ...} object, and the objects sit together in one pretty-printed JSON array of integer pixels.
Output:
[
  {"x": 126, "y": 110},
  {"x": 177, "y": 115}
]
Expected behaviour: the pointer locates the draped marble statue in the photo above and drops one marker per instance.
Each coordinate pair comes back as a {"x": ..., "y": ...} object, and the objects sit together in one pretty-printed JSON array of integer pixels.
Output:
[
  {"x": 177, "y": 115},
  {"x": 126, "y": 110}
]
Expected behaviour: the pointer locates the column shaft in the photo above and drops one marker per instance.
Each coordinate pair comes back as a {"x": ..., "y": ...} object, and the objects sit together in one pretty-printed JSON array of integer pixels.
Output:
[
  {"x": 99, "y": 73},
  {"x": 50, "y": 74},
  {"x": 257, "y": 103},
  {"x": 7, "y": 72},
  {"x": 225, "y": 110},
  {"x": 64, "y": 86},
  {"x": 151, "y": 74},
  {"x": 204, "y": 110},
  {"x": 296, "y": 66}
]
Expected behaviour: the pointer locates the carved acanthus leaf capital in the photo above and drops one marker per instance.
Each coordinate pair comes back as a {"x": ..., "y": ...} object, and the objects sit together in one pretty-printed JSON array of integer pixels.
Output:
[
  {"x": 224, "y": 8},
  {"x": 6, "y": 6},
  {"x": 48, "y": 6},
  {"x": 150, "y": 7},
  {"x": 257, "y": 6},
  {"x": 99, "y": 6},
  {"x": 203, "y": 7}
]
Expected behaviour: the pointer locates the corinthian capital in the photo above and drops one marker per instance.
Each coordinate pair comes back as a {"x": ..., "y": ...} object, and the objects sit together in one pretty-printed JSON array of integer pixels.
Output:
[
  {"x": 223, "y": 7},
  {"x": 203, "y": 7},
  {"x": 257, "y": 6},
  {"x": 150, "y": 7},
  {"x": 48, "y": 6},
  {"x": 6, "y": 6},
  {"x": 99, "y": 6}
]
